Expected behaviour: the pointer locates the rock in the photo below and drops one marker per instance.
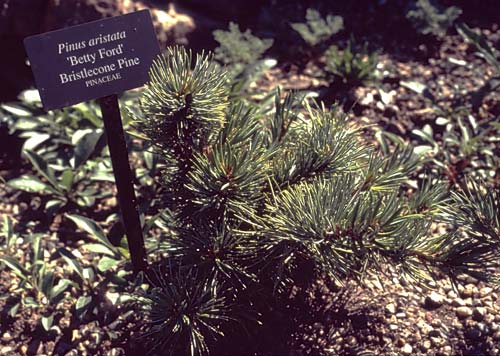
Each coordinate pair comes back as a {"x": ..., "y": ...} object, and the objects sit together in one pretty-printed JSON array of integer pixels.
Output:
[
  {"x": 496, "y": 336},
  {"x": 483, "y": 328},
  {"x": 458, "y": 302},
  {"x": 393, "y": 327},
  {"x": 468, "y": 291},
  {"x": 426, "y": 345},
  {"x": 117, "y": 352},
  {"x": 351, "y": 340},
  {"x": 433, "y": 301},
  {"x": 424, "y": 327},
  {"x": 416, "y": 336},
  {"x": 436, "y": 341},
  {"x": 472, "y": 281},
  {"x": 437, "y": 323},
  {"x": 377, "y": 284},
  {"x": 479, "y": 313},
  {"x": 5, "y": 350},
  {"x": 390, "y": 308},
  {"x": 485, "y": 291},
  {"x": 473, "y": 334},
  {"x": 407, "y": 349},
  {"x": 435, "y": 333},
  {"x": 477, "y": 302},
  {"x": 463, "y": 312},
  {"x": 488, "y": 303},
  {"x": 387, "y": 97},
  {"x": 456, "y": 324},
  {"x": 401, "y": 315},
  {"x": 367, "y": 99},
  {"x": 447, "y": 350}
]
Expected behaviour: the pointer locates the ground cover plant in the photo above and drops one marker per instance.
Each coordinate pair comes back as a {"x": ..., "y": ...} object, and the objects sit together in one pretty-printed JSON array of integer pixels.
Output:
[{"x": 341, "y": 203}]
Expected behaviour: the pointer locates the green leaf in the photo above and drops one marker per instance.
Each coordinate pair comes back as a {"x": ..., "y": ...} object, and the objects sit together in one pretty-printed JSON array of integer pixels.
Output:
[
  {"x": 99, "y": 248},
  {"x": 85, "y": 142},
  {"x": 425, "y": 135},
  {"x": 48, "y": 283},
  {"x": 124, "y": 251},
  {"x": 480, "y": 41},
  {"x": 90, "y": 227},
  {"x": 82, "y": 304},
  {"x": 30, "y": 184},
  {"x": 30, "y": 302},
  {"x": 150, "y": 159},
  {"x": 47, "y": 321},
  {"x": 43, "y": 168},
  {"x": 85, "y": 201},
  {"x": 24, "y": 124},
  {"x": 37, "y": 249},
  {"x": 72, "y": 261},
  {"x": 422, "y": 150},
  {"x": 52, "y": 206},
  {"x": 35, "y": 139},
  {"x": 59, "y": 288},
  {"x": 88, "y": 274},
  {"x": 13, "y": 310},
  {"x": 16, "y": 110},
  {"x": 7, "y": 229},
  {"x": 107, "y": 263},
  {"x": 15, "y": 266},
  {"x": 67, "y": 179}
]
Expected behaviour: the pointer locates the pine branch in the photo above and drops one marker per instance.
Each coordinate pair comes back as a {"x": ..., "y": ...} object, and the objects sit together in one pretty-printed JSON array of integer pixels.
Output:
[
  {"x": 179, "y": 312},
  {"x": 322, "y": 146}
]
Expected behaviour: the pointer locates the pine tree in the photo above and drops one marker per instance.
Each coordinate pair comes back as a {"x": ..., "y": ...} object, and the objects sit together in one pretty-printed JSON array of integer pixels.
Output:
[{"x": 254, "y": 199}]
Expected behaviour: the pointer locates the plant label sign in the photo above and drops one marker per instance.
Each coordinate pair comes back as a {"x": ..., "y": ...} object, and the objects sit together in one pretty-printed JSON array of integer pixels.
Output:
[
  {"x": 99, "y": 60},
  {"x": 92, "y": 60}
]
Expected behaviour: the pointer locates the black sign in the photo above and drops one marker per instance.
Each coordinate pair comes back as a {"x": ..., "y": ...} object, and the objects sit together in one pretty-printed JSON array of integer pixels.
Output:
[{"x": 92, "y": 60}]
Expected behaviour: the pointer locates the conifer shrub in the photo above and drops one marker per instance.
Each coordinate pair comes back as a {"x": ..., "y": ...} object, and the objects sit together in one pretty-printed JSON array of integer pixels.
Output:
[
  {"x": 255, "y": 200},
  {"x": 317, "y": 29},
  {"x": 239, "y": 49},
  {"x": 429, "y": 18}
]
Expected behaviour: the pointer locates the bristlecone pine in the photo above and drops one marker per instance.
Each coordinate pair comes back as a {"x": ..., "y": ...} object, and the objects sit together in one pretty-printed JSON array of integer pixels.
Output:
[{"x": 252, "y": 199}]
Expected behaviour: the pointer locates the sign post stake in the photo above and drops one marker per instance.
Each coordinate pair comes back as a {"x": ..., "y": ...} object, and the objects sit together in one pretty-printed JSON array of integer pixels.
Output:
[
  {"x": 97, "y": 60},
  {"x": 124, "y": 180}
]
